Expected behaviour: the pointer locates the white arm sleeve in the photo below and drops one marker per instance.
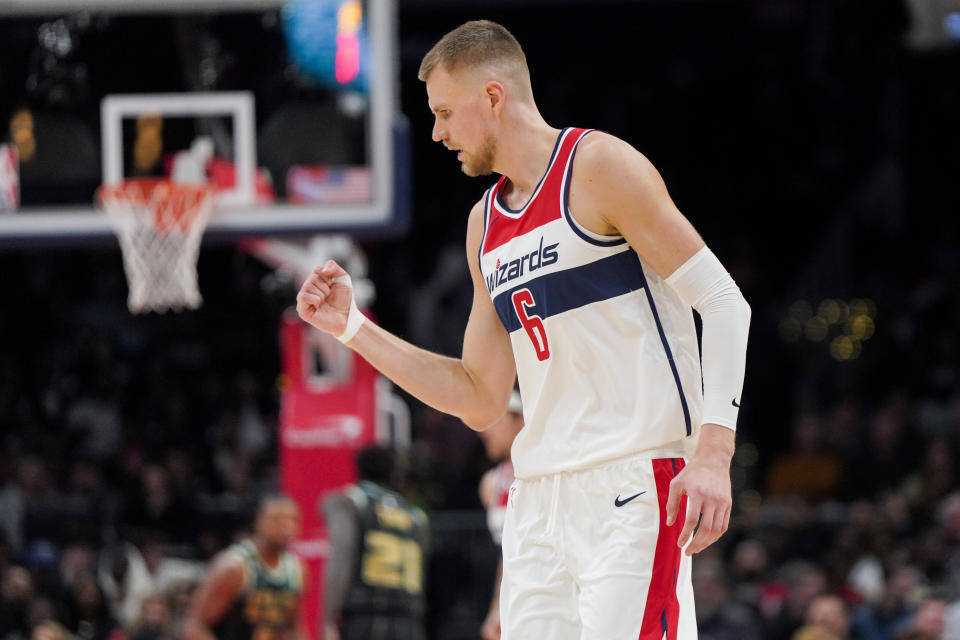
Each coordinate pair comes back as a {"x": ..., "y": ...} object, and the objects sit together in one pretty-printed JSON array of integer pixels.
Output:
[{"x": 705, "y": 285}]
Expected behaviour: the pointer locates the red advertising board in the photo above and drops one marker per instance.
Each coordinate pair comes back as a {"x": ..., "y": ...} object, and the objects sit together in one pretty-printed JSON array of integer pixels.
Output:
[{"x": 329, "y": 410}]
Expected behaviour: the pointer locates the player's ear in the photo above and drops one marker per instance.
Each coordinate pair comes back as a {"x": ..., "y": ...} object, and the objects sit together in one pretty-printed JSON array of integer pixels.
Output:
[{"x": 494, "y": 93}]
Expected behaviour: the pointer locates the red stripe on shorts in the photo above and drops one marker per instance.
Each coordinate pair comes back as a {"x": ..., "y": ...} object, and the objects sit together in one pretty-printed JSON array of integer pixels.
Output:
[{"x": 662, "y": 609}]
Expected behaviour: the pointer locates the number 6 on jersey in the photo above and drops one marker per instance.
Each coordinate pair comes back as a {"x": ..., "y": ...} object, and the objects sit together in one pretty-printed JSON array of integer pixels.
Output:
[{"x": 533, "y": 324}]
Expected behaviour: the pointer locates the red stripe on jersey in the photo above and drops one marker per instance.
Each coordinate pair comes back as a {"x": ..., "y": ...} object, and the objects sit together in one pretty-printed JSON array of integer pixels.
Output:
[
  {"x": 662, "y": 610},
  {"x": 502, "y": 229},
  {"x": 504, "y": 480},
  {"x": 543, "y": 207}
]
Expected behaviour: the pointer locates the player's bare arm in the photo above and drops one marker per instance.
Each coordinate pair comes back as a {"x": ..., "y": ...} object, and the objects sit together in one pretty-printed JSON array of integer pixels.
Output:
[
  {"x": 475, "y": 387},
  {"x": 616, "y": 190},
  {"x": 339, "y": 514},
  {"x": 214, "y": 597}
]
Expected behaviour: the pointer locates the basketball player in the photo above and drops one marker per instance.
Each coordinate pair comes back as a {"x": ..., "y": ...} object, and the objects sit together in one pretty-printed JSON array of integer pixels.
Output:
[
  {"x": 253, "y": 590},
  {"x": 584, "y": 275},
  {"x": 495, "y": 492},
  {"x": 374, "y": 576}
]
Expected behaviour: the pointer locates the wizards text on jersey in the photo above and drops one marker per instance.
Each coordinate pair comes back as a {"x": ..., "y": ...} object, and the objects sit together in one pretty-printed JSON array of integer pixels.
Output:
[{"x": 504, "y": 272}]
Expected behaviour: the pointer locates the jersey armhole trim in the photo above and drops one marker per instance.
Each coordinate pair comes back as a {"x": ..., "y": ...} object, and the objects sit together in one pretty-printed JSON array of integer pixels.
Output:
[
  {"x": 586, "y": 235},
  {"x": 486, "y": 222},
  {"x": 294, "y": 573}
]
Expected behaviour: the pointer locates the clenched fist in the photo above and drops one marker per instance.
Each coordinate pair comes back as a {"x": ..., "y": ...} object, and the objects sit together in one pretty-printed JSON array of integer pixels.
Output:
[{"x": 326, "y": 299}]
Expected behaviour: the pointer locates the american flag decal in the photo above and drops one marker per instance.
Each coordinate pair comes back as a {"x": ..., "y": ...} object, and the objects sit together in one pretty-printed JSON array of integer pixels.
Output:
[{"x": 327, "y": 184}]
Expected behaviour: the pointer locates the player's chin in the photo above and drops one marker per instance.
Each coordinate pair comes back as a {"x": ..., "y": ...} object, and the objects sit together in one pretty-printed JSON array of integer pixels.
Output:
[{"x": 474, "y": 172}]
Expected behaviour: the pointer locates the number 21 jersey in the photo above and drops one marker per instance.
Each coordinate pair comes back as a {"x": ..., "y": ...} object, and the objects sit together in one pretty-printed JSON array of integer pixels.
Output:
[
  {"x": 389, "y": 572},
  {"x": 606, "y": 352}
]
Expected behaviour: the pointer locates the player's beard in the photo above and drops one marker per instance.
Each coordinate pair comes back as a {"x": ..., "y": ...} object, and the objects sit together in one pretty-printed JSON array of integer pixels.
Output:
[{"x": 481, "y": 163}]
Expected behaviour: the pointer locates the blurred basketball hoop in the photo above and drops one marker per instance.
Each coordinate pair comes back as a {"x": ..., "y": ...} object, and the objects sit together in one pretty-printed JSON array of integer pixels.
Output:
[{"x": 159, "y": 224}]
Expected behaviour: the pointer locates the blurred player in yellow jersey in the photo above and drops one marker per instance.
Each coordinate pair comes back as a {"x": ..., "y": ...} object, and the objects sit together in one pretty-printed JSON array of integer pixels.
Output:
[{"x": 253, "y": 589}]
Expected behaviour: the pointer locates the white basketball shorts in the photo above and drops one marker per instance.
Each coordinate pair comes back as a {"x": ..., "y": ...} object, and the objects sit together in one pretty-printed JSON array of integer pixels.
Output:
[{"x": 587, "y": 555}]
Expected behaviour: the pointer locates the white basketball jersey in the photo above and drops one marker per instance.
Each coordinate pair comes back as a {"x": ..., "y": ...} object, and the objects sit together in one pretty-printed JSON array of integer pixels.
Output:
[{"x": 606, "y": 353}]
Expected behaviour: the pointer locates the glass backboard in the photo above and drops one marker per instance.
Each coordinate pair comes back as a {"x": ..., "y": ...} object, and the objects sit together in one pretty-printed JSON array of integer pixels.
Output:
[{"x": 297, "y": 97}]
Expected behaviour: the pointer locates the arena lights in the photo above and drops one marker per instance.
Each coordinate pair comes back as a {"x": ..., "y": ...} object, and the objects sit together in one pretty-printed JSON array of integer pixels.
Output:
[
  {"x": 329, "y": 43},
  {"x": 347, "y": 61},
  {"x": 843, "y": 325}
]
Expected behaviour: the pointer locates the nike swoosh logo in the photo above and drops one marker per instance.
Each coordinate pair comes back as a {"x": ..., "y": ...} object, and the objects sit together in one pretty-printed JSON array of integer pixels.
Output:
[
  {"x": 619, "y": 503},
  {"x": 735, "y": 403}
]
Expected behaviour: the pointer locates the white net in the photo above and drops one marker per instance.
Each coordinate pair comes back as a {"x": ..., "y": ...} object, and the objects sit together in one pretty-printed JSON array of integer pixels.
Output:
[{"x": 159, "y": 224}]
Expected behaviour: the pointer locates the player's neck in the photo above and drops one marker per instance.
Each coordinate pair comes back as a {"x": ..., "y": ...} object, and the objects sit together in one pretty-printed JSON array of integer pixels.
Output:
[
  {"x": 523, "y": 153},
  {"x": 270, "y": 556}
]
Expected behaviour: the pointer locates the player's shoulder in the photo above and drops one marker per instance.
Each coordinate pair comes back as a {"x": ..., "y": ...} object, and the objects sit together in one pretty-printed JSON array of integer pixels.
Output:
[
  {"x": 600, "y": 152},
  {"x": 230, "y": 565},
  {"x": 475, "y": 224},
  {"x": 610, "y": 170},
  {"x": 475, "y": 219},
  {"x": 352, "y": 497},
  {"x": 236, "y": 554}
]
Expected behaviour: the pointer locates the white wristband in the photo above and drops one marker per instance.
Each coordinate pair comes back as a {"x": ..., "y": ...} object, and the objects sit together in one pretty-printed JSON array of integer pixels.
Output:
[{"x": 354, "y": 318}]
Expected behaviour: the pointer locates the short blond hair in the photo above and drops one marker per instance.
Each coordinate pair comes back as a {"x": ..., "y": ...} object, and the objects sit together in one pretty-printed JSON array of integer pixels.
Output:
[{"x": 477, "y": 43}]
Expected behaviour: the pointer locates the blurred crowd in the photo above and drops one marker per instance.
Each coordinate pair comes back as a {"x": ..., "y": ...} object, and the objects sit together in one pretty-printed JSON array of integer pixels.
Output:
[
  {"x": 852, "y": 541},
  {"x": 127, "y": 458},
  {"x": 64, "y": 593}
]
